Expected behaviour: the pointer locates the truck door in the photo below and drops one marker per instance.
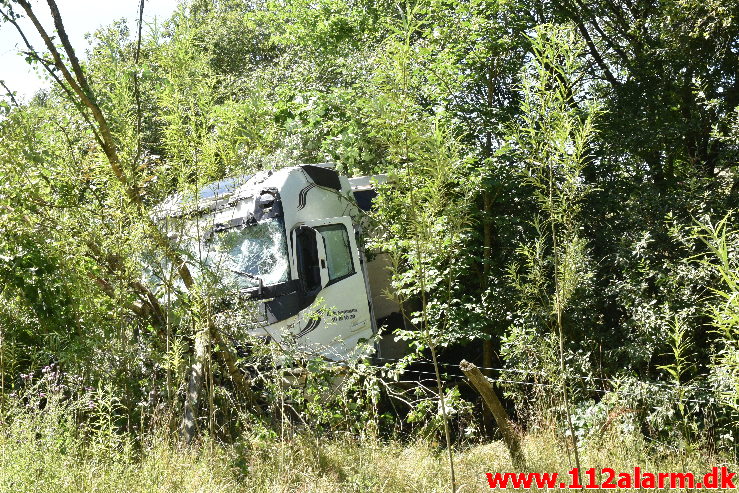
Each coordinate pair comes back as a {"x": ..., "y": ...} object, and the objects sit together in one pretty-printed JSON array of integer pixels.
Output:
[
  {"x": 326, "y": 261},
  {"x": 307, "y": 259}
]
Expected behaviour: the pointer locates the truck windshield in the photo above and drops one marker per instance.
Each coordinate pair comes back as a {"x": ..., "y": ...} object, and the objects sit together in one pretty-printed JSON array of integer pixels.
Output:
[{"x": 245, "y": 254}]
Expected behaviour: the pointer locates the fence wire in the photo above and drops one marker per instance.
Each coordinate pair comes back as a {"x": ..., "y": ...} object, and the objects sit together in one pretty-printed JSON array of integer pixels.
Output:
[{"x": 614, "y": 383}]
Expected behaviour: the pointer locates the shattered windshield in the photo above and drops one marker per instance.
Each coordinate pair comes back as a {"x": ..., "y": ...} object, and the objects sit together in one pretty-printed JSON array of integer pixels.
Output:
[{"x": 248, "y": 253}]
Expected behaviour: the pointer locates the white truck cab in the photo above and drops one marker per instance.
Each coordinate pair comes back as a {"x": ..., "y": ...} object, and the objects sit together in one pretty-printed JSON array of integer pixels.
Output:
[{"x": 289, "y": 239}]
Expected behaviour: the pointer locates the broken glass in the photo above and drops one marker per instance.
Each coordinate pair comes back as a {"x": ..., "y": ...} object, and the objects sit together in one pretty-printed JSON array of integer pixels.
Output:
[{"x": 246, "y": 254}]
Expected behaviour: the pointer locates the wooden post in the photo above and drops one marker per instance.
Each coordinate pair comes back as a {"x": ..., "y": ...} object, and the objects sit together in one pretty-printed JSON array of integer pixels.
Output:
[{"x": 488, "y": 394}]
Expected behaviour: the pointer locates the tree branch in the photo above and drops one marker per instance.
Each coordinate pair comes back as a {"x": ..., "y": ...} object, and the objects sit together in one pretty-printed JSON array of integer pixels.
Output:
[
  {"x": 596, "y": 55},
  {"x": 47, "y": 66},
  {"x": 79, "y": 85},
  {"x": 10, "y": 94},
  {"x": 81, "y": 89},
  {"x": 69, "y": 50}
]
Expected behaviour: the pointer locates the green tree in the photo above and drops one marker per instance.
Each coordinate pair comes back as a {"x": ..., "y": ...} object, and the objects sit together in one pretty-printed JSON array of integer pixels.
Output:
[{"x": 552, "y": 142}]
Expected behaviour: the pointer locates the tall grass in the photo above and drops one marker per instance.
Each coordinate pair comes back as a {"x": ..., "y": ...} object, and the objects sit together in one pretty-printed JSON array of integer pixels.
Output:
[
  {"x": 43, "y": 450},
  {"x": 58, "y": 436}
]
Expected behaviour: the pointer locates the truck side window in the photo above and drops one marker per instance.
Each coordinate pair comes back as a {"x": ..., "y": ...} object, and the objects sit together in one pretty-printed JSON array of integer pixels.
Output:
[
  {"x": 338, "y": 251},
  {"x": 308, "y": 268}
]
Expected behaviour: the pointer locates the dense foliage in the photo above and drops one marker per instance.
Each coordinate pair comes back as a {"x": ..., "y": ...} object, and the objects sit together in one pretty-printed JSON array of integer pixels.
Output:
[{"x": 559, "y": 169}]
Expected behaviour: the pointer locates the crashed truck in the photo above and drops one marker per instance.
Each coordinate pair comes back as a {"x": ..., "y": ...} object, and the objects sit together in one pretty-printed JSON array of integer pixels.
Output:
[{"x": 290, "y": 242}]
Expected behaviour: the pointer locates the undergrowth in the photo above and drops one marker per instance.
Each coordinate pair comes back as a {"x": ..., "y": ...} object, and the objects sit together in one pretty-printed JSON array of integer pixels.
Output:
[{"x": 42, "y": 450}]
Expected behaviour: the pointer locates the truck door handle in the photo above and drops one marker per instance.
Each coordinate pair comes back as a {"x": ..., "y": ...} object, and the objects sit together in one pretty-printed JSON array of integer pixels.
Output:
[{"x": 323, "y": 263}]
